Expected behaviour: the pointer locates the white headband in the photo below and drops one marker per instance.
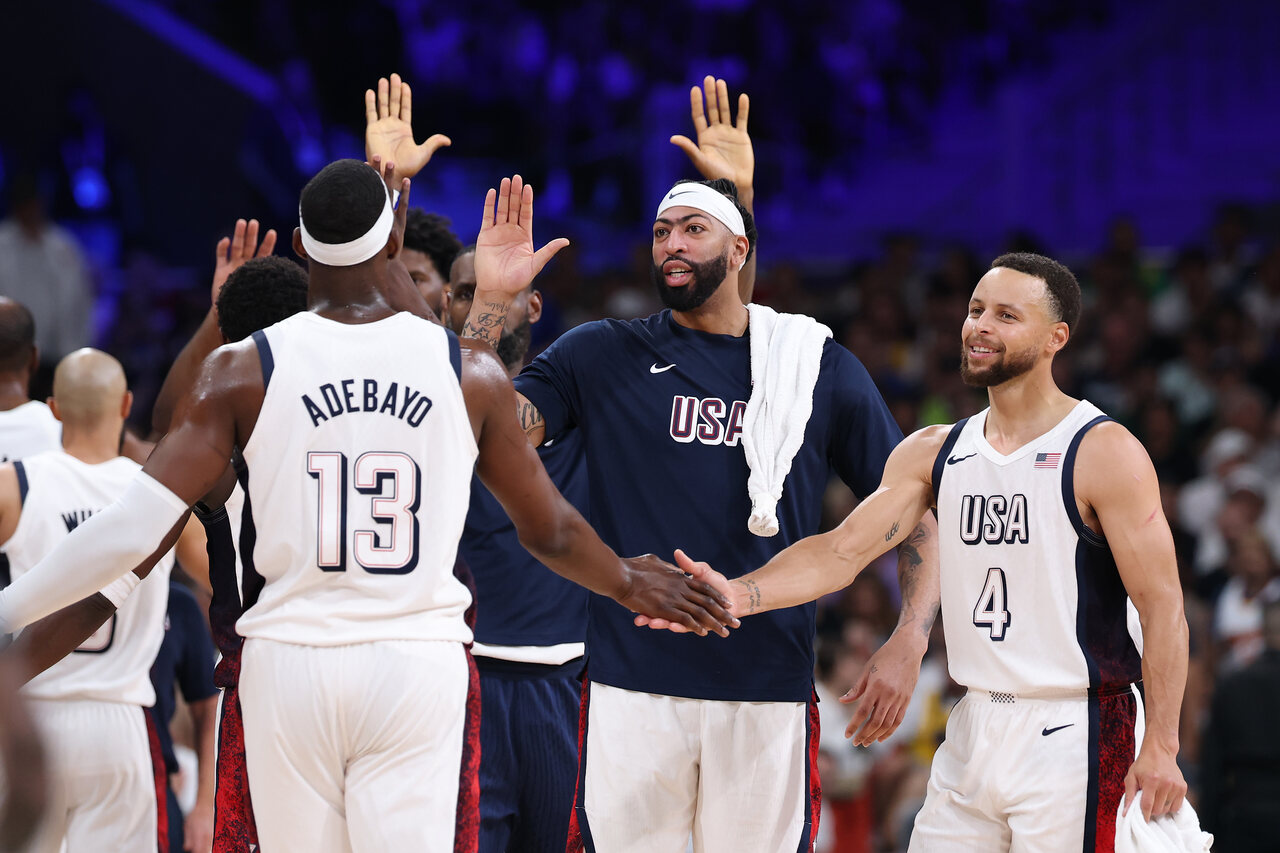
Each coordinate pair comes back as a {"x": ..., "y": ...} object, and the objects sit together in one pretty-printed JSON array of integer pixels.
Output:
[
  {"x": 358, "y": 250},
  {"x": 710, "y": 202}
]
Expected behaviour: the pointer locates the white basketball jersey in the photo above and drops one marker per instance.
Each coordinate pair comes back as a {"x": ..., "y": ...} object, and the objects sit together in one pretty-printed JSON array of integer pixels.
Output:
[
  {"x": 27, "y": 430},
  {"x": 114, "y": 665},
  {"x": 1032, "y": 602},
  {"x": 358, "y": 477}
]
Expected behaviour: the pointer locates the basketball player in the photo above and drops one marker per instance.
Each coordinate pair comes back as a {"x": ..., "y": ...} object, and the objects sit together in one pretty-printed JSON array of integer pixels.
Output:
[
  {"x": 1049, "y": 515},
  {"x": 354, "y": 678},
  {"x": 92, "y": 706},
  {"x": 26, "y": 425},
  {"x": 684, "y": 738},
  {"x": 430, "y": 247}
]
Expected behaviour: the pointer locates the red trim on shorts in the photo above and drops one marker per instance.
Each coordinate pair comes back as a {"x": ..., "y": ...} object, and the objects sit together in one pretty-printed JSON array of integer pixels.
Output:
[
  {"x": 234, "y": 829},
  {"x": 579, "y": 833},
  {"x": 466, "y": 835},
  {"x": 813, "y": 804},
  {"x": 1115, "y": 749},
  {"x": 161, "y": 782}
]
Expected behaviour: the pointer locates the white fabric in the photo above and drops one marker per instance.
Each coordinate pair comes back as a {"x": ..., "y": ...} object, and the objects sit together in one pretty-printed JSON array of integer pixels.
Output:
[
  {"x": 1176, "y": 833},
  {"x": 709, "y": 201},
  {"x": 547, "y": 655},
  {"x": 354, "y": 748},
  {"x": 103, "y": 548},
  {"x": 359, "y": 472},
  {"x": 121, "y": 588},
  {"x": 102, "y": 792},
  {"x": 660, "y": 769},
  {"x": 27, "y": 430},
  {"x": 356, "y": 251},
  {"x": 1009, "y": 593},
  {"x": 786, "y": 352},
  {"x": 113, "y": 665}
]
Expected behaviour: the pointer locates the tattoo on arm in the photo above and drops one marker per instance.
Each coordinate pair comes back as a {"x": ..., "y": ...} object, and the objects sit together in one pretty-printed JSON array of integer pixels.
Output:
[
  {"x": 909, "y": 562},
  {"x": 530, "y": 418},
  {"x": 753, "y": 595},
  {"x": 486, "y": 324},
  {"x": 893, "y": 531}
]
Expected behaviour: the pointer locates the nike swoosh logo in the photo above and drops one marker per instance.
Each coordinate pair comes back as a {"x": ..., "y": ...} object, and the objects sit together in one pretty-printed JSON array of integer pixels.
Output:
[
  {"x": 1048, "y": 731},
  {"x": 682, "y": 192},
  {"x": 954, "y": 459},
  {"x": 653, "y": 368}
]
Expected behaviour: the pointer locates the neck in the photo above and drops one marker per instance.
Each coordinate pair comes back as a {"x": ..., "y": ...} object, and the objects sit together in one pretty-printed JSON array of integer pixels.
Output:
[
  {"x": 91, "y": 445},
  {"x": 1025, "y": 408},
  {"x": 13, "y": 391},
  {"x": 349, "y": 294},
  {"x": 722, "y": 314}
]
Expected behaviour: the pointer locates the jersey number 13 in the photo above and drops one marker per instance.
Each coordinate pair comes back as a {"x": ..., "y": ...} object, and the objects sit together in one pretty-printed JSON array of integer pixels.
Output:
[{"x": 392, "y": 483}]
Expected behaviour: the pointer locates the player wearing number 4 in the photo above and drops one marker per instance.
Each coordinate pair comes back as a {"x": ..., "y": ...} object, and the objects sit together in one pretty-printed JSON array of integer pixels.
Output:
[
  {"x": 359, "y": 426},
  {"x": 1048, "y": 515}
]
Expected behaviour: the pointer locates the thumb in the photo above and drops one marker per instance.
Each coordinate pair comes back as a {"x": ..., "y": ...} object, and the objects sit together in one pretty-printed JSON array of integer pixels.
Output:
[
  {"x": 688, "y": 146},
  {"x": 547, "y": 252},
  {"x": 688, "y": 565},
  {"x": 435, "y": 142},
  {"x": 856, "y": 690},
  {"x": 1130, "y": 790}
]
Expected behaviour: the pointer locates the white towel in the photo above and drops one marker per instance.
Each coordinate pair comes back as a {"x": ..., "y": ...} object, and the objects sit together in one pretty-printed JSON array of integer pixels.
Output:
[
  {"x": 786, "y": 351},
  {"x": 1176, "y": 833}
]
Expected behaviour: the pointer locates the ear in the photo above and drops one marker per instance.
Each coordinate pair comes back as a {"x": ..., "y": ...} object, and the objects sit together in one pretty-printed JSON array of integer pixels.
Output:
[
  {"x": 297, "y": 244},
  {"x": 1059, "y": 334},
  {"x": 394, "y": 244},
  {"x": 534, "y": 309},
  {"x": 738, "y": 256},
  {"x": 126, "y": 405},
  {"x": 53, "y": 407}
]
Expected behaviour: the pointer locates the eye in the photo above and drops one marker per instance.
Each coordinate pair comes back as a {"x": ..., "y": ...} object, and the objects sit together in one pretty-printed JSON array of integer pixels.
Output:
[
  {"x": 1007, "y": 316},
  {"x": 974, "y": 312},
  {"x": 695, "y": 228},
  {"x": 659, "y": 233}
]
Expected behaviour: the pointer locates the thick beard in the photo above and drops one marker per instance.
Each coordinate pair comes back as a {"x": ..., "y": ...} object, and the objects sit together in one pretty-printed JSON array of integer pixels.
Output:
[
  {"x": 707, "y": 278},
  {"x": 1010, "y": 366},
  {"x": 514, "y": 343}
]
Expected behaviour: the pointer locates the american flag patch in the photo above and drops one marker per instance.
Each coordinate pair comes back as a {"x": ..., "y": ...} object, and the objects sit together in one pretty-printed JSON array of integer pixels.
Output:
[{"x": 1048, "y": 460}]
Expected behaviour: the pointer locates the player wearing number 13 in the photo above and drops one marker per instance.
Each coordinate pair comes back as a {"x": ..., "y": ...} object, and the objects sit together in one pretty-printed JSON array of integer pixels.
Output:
[
  {"x": 1048, "y": 515},
  {"x": 359, "y": 426}
]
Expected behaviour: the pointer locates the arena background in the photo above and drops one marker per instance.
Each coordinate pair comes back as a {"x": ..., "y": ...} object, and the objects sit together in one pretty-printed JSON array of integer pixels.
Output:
[{"x": 900, "y": 144}]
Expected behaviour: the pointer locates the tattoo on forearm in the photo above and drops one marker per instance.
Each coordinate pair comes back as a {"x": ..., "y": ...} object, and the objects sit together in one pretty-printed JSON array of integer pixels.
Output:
[
  {"x": 893, "y": 531},
  {"x": 486, "y": 325},
  {"x": 909, "y": 562},
  {"x": 530, "y": 418},
  {"x": 753, "y": 595}
]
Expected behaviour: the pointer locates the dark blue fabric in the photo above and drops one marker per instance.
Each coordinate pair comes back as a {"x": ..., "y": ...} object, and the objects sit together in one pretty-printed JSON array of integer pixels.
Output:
[
  {"x": 185, "y": 658},
  {"x": 659, "y": 481},
  {"x": 528, "y": 758},
  {"x": 519, "y": 601}
]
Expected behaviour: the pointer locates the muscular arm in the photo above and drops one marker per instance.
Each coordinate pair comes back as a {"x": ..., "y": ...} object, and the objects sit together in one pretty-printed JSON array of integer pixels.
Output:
[
  {"x": 548, "y": 525},
  {"x": 1117, "y": 485},
  {"x": 919, "y": 582},
  {"x": 830, "y": 561},
  {"x": 183, "y": 373}
]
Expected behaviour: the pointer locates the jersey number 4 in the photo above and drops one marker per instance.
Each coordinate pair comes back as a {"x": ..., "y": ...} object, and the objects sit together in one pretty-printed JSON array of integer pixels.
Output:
[
  {"x": 990, "y": 611},
  {"x": 392, "y": 482}
]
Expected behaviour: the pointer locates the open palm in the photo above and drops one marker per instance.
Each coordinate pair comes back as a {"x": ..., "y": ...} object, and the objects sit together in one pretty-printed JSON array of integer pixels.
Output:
[
  {"x": 505, "y": 258},
  {"x": 722, "y": 150},
  {"x": 388, "y": 132}
]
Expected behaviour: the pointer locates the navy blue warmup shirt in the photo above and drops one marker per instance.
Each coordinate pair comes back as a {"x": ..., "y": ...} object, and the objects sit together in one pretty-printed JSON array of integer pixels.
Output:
[
  {"x": 519, "y": 601},
  {"x": 660, "y": 409},
  {"x": 186, "y": 656}
]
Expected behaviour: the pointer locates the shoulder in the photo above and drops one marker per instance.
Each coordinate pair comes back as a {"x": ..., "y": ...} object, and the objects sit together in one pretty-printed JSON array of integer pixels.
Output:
[
  {"x": 924, "y": 444},
  {"x": 1110, "y": 447},
  {"x": 843, "y": 369}
]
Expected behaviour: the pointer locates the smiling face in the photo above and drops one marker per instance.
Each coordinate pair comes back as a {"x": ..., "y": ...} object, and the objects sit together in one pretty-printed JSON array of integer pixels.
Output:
[
  {"x": 692, "y": 252},
  {"x": 1009, "y": 330}
]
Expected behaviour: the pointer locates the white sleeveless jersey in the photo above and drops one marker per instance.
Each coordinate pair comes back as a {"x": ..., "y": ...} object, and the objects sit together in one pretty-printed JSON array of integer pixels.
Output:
[
  {"x": 114, "y": 665},
  {"x": 357, "y": 482},
  {"x": 27, "y": 430},
  {"x": 1032, "y": 602}
]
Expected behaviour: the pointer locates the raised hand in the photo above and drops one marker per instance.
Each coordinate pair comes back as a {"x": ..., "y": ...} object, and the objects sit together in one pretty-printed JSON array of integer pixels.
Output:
[
  {"x": 388, "y": 132},
  {"x": 701, "y": 573},
  {"x": 723, "y": 150},
  {"x": 233, "y": 251},
  {"x": 664, "y": 596}
]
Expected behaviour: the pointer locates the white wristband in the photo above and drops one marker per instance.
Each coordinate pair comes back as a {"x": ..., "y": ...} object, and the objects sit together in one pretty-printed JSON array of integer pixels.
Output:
[{"x": 118, "y": 590}]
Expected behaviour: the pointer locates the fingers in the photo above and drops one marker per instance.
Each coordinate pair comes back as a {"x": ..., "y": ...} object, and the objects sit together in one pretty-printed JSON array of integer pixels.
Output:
[
  {"x": 525, "y": 217},
  {"x": 744, "y": 107},
  {"x": 695, "y": 107},
  {"x": 220, "y": 250},
  {"x": 856, "y": 691},
  {"x": 687, "y": 145},
  {"x": 713, "y": 105},
  {"x": 547, "y": 252},
  {"x": 860, "y": 714},
  {"x": 435, "y": 142},
  {"x": 504, "y": 201},
  {"x": 393, "y": 100},
  {"x": 268, "y": 244},
  {"x": 406, "y": 105},
  {"x": 237, "y": 241},
  {"x": 1130, "y": 788},
  {"x": 722, "y": 98},
  {"x": 250, "y": 241},
  {"x": 687, "y": 564},
  {"x": 490, "y": 200},
  {"x": 383, "y": 87},
  {"x": 370, "y": 106},
  {"x": 714, "y": 603}
]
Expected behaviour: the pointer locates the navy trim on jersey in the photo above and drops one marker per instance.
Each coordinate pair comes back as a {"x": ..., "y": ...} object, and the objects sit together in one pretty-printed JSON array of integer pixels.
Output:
[
  {"x": 264, "y": 356},
  {"x": 455, "y": 353},
  {"x": 1091, "y": 788},
  {"x": 253, "y": 582},
  {"x": 22, "y": 482},
  {"x": 940, "y": 462},
  {"x": 111, "y": 640},
  {"x": 1069, "y": 486}
]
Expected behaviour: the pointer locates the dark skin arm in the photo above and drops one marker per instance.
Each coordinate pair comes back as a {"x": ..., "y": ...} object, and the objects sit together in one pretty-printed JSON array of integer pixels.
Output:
[{"x": 22, "y": 762}]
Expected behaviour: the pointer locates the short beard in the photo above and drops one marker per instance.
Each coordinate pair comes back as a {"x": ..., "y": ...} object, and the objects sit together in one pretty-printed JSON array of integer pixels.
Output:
[
  {"x": 1010, "y": 366},
  {"x": 513, "y": 344},
  {"x": 707, "y": 278}
]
